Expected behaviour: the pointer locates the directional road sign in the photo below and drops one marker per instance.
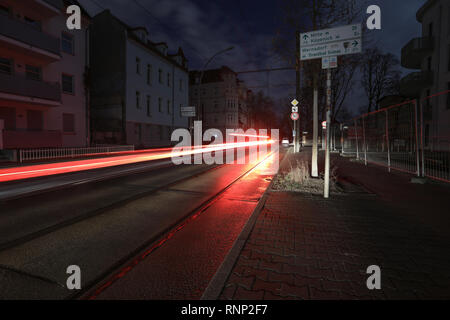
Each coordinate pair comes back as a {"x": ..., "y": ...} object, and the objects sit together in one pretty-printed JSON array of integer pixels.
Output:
[
  {"x": 331, "y": 35},
  {"x": 331, "y": 49},
  {"x": 294, "y": 109}
]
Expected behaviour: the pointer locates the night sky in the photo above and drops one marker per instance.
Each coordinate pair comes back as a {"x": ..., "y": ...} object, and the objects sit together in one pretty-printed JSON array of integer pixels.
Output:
[{"x": 202, "y": 28}]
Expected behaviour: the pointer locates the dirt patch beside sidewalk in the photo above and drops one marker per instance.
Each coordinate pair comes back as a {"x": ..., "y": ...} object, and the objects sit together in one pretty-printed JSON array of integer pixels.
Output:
[{"x": 295, "y": 176}]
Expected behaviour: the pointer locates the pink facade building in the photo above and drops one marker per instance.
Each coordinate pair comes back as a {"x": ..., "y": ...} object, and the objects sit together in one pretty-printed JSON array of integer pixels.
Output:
[{"x": 43, "y": 71}]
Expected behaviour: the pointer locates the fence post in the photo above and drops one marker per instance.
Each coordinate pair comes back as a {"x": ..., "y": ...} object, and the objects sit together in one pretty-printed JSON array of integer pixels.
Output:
[
  {"x": 357, "y": 146},
  {"x": 364, "y": 142},
  {"x": 417, "y": 139},
  {"x": 388, "y": 144},
  {"x": 421, "y": 138}
]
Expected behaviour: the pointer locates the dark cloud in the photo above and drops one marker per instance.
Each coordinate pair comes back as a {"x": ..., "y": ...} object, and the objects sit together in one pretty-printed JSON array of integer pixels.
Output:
[{"x": 205, "y": 27}]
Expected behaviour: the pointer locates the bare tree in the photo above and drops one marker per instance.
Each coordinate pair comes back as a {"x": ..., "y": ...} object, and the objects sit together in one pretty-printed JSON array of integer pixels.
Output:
[
  {"x": 307, "y": 15},
  {"x": 380, "y": 76}
]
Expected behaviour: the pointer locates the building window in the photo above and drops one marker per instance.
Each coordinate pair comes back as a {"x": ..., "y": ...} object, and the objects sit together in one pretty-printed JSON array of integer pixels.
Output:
[
  {"x": 448, "y": 53},
  {"x": 35, "y": 120},
  {"x": 168, "y": 106},
  {"x": 160, "y": 104},
  {"x": 138, "y": 131},
  {"x": 4, "y": 10},
  {"x": 168, "y": 79},
  {"x": 448, "y": 96},
  {"x": 68, "y": 84},
  {"x": 67, "y": 43},
  {"x": 160, "y": 76},
  {"x": 68, "y": 122},
  {"x": 6, "y": 66},
  {"x": 160, "y": 133},
  {"x": 138, "y": 100},
  {"x": 8, "y": 115},
  {"x": 138, "y": 65},
  {"x": 33, "y": 73},
  {"x": 149, "y": 106},
  {"x": 149, "y": 74}
]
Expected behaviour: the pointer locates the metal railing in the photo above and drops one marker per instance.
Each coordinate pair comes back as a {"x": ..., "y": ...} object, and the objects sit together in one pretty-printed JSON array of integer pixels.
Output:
[
  {"x": 64, "y": 153},
  {"x": 401, "y": 138}
]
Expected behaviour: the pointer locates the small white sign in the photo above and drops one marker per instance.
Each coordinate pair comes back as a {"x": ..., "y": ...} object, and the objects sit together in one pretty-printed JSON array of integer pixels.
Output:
[
  {"x": 324, "y": 125},
  {"x": 187, "y": 109},
  {"x": 329, "y": 62},
  {"x": 294, "y": 109}
]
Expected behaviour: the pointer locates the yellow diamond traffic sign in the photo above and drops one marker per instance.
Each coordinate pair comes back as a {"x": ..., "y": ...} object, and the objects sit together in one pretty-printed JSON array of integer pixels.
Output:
[{"x": 295, "y": 102}]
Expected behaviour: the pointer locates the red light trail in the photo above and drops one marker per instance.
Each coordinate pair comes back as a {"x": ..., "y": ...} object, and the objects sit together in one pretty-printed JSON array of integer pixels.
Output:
[
  {"x": 248, "y": 135},
  {"x": 41, "y": 170}
]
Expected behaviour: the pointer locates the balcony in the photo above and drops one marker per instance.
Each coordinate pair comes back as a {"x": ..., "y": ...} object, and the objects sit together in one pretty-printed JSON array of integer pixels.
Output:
[
  {"x": 19, "y": 88},
  {"x": 415, "y": 51},
  {"x": 21, "y": 139},
  {"x": 414, "y": 83},
  {"x": 19, "y": 36}
]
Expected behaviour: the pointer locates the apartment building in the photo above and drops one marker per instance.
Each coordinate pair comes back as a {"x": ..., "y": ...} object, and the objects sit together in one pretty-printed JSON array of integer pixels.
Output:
[
  {"x": 43, "y": 94},
  {"x": 430, "y": 53},
  {"x": 138, "y": 87},
  {"x": 221, "y": 99}
]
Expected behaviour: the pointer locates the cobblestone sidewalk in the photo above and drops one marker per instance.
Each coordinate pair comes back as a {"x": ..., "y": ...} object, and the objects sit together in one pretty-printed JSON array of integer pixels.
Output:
[{"x": 305, "y": 247}]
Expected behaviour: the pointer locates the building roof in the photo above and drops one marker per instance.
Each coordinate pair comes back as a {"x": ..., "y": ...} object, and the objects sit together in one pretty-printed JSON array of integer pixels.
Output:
[
  {"x": 210, "y": 76},
  {"x": 72, "y": 2},
  {"x": 149, "y": 44},
  {"x": 421, "y": 12}
]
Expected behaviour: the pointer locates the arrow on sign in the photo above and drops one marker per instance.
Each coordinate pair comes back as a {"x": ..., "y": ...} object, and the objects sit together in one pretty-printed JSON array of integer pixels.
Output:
[
  {"x": 355, "y": 43},
  {"x": 305, "y": 37}
]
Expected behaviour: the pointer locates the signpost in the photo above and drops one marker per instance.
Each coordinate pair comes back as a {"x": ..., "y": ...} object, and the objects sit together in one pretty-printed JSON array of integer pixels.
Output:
[
  {"x": 328, "y": 44},
  {"x": 331, "y": 35},
  {"x": 331, "y": 49},
  {"x": 188, "y": 112},
  {"x": 295, "y": 116},
  {"x": 329, "y": 63}
]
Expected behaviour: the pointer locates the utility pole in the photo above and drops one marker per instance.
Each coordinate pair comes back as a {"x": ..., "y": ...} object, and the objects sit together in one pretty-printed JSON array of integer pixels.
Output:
[
  {"x": 315, "y": 151},
  {"x": 297, "y": 92},
  {"x": 326, "y": 191}
]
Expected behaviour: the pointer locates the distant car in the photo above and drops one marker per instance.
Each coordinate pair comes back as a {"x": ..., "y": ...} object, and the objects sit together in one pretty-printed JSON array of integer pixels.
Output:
[{"x": 285, "y": 143}]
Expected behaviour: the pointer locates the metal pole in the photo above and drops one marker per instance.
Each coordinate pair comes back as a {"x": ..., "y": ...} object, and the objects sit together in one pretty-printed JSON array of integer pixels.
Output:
[
  {"x": 357, "y": 146},
  {"x": 342, "y": 139},
  {"x": 314, "y": 167},
  {"x": 421, "y": 139},
  {"x": 326, "y": 191},
  {"x": 417, "y": 138},
  {"x": 298, "y": 91},
  {"x": 364, "y": 144},
  {"x": 387, "y": 141}
]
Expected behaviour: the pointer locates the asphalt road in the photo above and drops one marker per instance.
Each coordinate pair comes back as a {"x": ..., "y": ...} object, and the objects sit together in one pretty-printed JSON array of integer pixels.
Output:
[{"x": 103, "y": 226}]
